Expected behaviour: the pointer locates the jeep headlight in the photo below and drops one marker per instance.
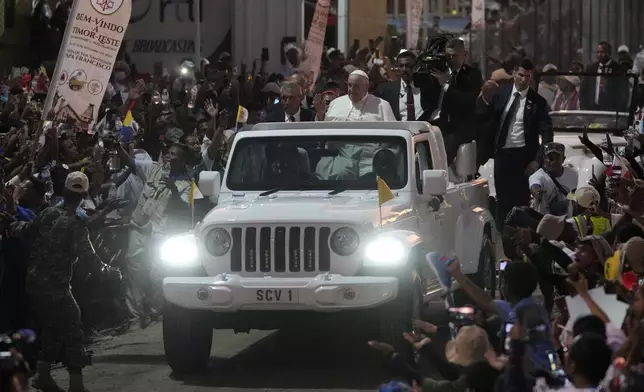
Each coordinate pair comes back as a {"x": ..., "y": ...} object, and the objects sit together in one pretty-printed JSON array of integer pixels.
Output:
[
  {"x": 180, "y": 251},
  {"x": 218, "y": 242},
  {"x": 345, "y": 241},
  {"x": 384, "y": 251}
]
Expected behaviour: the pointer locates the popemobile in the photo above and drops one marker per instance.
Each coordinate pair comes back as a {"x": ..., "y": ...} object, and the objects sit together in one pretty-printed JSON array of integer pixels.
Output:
[{"x": 301, "y": 235}]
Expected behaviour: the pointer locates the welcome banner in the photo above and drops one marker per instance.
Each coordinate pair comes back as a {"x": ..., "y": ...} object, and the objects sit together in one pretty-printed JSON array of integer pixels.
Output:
[{"x": 90, "y": 45}]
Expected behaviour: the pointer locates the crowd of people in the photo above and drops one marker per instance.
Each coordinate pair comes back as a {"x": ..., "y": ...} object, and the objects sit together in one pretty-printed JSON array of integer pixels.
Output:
[{"x": 107, "y": 197}]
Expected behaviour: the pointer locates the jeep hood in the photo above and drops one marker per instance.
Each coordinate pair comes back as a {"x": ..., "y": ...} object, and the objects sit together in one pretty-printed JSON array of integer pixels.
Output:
[{"x": 358, "y": 208}]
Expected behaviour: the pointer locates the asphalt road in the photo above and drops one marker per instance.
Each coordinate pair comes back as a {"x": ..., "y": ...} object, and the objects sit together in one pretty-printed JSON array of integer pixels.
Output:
[{"x": 258, "y": 361}]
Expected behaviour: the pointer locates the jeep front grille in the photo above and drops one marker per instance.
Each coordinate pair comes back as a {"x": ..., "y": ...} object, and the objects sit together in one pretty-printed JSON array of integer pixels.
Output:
[{"x": 280, "y": 249}]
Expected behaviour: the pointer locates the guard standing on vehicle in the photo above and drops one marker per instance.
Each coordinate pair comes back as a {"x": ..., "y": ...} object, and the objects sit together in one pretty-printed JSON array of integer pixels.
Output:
[{"x": 61, "y": 238}]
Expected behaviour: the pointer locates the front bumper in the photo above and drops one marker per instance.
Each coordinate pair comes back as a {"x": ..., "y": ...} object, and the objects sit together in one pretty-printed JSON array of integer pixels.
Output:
[{"x": 324, "y": 292}]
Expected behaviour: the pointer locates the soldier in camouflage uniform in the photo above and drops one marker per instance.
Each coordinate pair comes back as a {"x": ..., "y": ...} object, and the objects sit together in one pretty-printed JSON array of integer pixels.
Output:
[{"x": 60, "y": 238}]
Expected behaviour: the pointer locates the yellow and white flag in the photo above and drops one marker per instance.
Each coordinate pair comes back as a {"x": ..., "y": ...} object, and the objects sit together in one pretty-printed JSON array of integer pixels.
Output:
[
  {"x": 384, "y": 193},
  {"x": 194, "y": 194}
]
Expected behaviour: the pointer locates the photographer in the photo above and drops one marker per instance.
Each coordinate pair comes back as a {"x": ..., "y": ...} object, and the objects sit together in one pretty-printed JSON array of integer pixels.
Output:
[
  {"x": 461, "y": 84},
  {"x": 409, "y": 100}
]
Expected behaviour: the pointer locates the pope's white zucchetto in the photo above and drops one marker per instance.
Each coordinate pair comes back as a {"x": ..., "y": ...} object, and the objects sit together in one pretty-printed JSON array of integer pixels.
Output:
[{"x": 359, "y": 72}]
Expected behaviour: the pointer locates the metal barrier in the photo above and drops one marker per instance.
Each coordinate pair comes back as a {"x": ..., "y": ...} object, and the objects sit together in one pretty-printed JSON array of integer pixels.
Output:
[{"x": 562, "y": 31}]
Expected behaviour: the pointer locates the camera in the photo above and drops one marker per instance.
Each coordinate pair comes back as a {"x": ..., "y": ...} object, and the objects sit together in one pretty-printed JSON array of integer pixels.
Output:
[{"x": 434, "y": 57}]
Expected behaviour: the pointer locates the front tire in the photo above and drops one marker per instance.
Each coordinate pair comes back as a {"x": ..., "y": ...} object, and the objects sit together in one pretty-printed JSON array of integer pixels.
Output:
[
  {"x": 397, "y": 317},
  {"x": 187, "y": 340},
  {"x": 485, "y": 276}
]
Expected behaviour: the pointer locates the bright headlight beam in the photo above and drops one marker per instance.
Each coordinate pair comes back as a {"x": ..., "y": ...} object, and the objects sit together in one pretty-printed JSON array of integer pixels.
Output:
[
  {"x": 385, "y": 251},
  {"x": 180, "y": 251}
]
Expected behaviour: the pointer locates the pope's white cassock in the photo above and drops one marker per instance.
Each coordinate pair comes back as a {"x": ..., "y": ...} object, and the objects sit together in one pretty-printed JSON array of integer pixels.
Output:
[
  {"x": 354, "y": 160},
  {"x": 370, "y": 108}
]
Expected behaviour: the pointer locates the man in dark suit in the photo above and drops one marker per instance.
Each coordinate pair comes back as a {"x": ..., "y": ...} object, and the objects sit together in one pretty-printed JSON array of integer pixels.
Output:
[
  {"x": 290, "y": 107},
  {"x": 517, "y": 116},
  {"x": 461, "y": 84},
  {"x": 605, "y": 93},
  {"x": 408, "y": 101}
]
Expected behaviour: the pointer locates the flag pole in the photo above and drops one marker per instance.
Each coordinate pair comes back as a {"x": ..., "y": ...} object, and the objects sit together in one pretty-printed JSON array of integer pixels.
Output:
[
  {"x": 380, "y": 212},
  {"x": 192, "y": 207}
]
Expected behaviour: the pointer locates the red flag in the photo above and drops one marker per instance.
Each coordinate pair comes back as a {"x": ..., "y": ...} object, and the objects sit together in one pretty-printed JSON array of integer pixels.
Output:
[{"x": 609, "y": 171}]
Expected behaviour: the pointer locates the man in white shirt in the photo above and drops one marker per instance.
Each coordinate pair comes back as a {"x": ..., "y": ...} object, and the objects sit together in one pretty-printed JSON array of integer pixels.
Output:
[
  {"x": 407, "y": 100},
  {"x": 518, "y": 118},
  {"x": 605, "y": 92},
  {"x": 551, "y": 184},
  {"x": 358, "y": 104}
]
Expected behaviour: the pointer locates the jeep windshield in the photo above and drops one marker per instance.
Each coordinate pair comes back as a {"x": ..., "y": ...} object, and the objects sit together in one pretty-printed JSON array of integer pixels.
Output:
[
  {"x": 317, "y": 163},
  {"x": 602, "y": 104}
]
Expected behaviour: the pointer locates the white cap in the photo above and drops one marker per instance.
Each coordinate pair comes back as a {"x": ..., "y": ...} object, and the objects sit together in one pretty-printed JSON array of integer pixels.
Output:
[
  {"x": 359, "y": 72},
  {"x": 549, "y": 67},
  {"x": 586, "y": 196},
  {"x": 574, "y": 80},
  {"x": 623, "y": 48},
  {"x": 77, "y": 182}
]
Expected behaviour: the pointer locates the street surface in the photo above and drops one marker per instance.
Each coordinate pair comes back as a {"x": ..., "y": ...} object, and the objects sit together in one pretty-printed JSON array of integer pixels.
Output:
[{"x": 259, "y": 361}]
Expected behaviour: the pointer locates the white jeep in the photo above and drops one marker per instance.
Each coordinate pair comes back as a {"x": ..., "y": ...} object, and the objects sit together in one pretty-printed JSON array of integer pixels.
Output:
[{"x": 297, "y": 235}]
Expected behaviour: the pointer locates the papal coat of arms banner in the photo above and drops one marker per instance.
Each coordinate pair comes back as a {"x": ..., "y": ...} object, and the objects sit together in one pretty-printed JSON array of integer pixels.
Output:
[{"x": 90, "y": 45}]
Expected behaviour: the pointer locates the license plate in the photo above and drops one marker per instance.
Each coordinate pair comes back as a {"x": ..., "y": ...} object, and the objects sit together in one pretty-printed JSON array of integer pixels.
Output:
[{"x": 275, "y": 296}]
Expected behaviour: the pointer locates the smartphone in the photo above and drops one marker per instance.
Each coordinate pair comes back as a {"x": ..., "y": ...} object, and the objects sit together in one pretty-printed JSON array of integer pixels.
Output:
[
  {"x": 502, "y": 265},
  {"x": 265, "y": 56},
  {"x": 276, "y": 101},
  {"x": 465, "y": 310},
  {"x": 555, "y": 369}
]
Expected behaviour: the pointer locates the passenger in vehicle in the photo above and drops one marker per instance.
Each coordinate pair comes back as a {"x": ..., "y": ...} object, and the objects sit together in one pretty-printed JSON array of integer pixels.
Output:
[
  {"x": 286, "y": 164},
  {"x": 353, "y": 161},
  {"x": 384, "y": 166}
]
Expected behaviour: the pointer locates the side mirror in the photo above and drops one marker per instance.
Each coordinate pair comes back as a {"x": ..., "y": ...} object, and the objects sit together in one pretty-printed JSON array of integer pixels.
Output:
[
  {"x": 466, "y": 160},
  {"x": 435, "y": 182},
  {"x": 210, "y": 183}
]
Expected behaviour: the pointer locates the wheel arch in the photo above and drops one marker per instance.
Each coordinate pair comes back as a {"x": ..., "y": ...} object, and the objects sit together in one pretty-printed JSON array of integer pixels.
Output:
[{"x": 471, "y": 228}]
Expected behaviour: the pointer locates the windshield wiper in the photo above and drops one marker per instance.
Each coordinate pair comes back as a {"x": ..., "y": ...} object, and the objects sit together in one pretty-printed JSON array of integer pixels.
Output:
[
  {"x": 301, "y": 185},
  {"x": 270, "y": 191},
  {"x": 338, "y": 190}
]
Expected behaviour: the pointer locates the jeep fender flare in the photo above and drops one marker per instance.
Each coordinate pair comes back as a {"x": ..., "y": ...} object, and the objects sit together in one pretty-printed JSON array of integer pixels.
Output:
[{"x": 471, "y": 227}]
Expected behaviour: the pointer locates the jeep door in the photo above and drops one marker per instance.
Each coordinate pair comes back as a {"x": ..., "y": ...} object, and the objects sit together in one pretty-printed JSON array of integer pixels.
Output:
[{"x": 436, "y": 226}]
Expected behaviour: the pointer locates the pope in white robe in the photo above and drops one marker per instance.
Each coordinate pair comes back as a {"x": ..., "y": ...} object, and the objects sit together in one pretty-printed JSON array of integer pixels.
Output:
[
  {"x": 358, "y": 104},
  {"x": 354, "y": 160}
]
